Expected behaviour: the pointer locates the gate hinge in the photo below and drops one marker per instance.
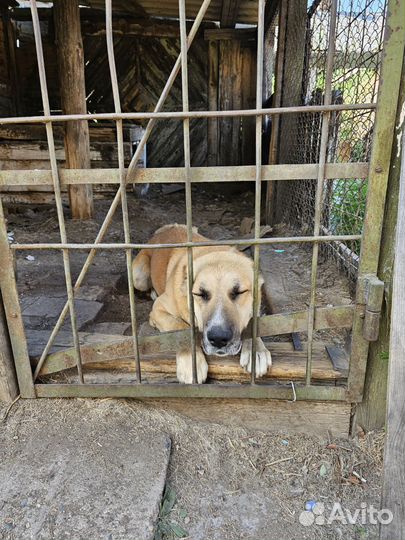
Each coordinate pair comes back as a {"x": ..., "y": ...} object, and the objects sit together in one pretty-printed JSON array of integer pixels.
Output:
[{"x": 374, "y": 294}]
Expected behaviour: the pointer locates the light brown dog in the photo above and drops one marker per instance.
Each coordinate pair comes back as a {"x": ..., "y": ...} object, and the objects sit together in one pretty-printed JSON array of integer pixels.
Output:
[{"x": 222, "y": 290}]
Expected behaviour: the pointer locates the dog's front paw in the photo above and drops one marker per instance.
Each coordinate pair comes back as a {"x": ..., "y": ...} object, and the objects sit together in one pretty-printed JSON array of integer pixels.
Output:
[
  {"x": 263, "y": 357},
  {"x": 184, "y": 365}
]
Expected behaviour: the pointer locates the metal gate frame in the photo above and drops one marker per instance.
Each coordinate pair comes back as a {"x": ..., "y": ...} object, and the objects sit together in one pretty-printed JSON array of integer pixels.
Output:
[{"x": 369, "y": 290}]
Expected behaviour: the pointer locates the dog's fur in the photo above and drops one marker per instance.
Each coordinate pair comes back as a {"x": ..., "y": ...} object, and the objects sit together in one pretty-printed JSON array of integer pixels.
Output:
[{"x": 223, "y": 300}]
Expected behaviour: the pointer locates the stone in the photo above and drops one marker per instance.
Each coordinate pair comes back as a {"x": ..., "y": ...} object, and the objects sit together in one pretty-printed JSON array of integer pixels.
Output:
[{"x": 83, "y": 470}]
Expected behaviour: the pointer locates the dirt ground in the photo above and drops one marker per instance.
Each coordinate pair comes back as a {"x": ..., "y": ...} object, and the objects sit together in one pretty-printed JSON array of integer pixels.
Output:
[{"x": 223, "y": 483}]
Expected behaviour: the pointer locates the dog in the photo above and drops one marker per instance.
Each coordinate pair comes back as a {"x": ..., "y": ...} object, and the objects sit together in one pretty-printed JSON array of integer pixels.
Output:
[{"x": 223, "y": 299}]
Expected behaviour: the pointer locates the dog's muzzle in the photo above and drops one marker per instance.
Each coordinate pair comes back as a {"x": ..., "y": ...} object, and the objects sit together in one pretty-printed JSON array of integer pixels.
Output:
[{"x": 221, "y": 341}]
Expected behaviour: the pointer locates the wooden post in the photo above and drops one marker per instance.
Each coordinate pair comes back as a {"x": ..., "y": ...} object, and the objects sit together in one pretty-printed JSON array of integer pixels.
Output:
[
  {"x": 73, "y": 100},
  {"x": 8, "y": 378},
  {"x": 213, "y": 87},
  {"x": 394, "y": 458},
  {"x": 370, "y": 414}
]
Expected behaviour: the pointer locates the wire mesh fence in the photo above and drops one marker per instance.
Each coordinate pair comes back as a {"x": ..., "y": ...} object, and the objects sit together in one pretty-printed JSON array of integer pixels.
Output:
[{"x": 359, "y": 40}]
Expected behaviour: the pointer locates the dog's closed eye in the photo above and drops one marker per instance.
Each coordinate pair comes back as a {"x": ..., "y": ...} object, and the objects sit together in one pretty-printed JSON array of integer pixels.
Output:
[
  {"x": 236, "y": 291},
  {"x": 203, "y": 294}
]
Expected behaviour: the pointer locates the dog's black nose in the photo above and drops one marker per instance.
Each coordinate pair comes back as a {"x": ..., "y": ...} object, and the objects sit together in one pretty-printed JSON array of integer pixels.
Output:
[{"x": 219, "y": 336}]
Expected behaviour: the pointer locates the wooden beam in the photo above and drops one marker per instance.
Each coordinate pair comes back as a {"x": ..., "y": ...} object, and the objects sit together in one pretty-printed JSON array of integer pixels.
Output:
[
  {"x": 230, "y": 34},
  {"x": 371, "y": 412},
  {"x": 213, "y": 90},
  {"x": 394, "y": 457},
  {"x": 73, "y": 100},
  {"x": 229, "y": 13},
  {"x": 242, "y": 173},
  {"x": 8, "y": 378},
  {"x": 284, "y": 323}
]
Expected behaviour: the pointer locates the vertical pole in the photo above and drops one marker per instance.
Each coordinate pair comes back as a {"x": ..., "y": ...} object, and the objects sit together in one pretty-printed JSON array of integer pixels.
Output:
[
  {"x": 56, "y": 185},
  {"x": 320, "y": 183},
  {"x": 121, "y": 165},
  {"x": 73, "y": 100},
  {"x": 8, "y": 378},
  {"x": 12, "y": 311},
  {"x": 187, "y": 165},
  {"x": 258, "y": 181}
]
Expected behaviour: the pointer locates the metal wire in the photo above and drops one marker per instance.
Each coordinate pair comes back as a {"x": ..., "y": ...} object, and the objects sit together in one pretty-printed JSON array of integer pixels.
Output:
[
  {"x": 121, "y": 166},
  {"x": 320, "y": 184},
  {"x": 258, "y": 181},
  {"x": 56, "y": 184},
  {"x": 114, "y": 205},
  {"x": 187, "y": 165}
]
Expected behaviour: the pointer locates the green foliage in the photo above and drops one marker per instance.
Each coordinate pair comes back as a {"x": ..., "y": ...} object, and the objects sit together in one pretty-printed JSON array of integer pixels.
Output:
[{"x": 166, "y": 528}]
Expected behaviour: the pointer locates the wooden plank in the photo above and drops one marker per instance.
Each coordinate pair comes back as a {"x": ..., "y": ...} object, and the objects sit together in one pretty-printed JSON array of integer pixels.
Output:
[
  {"x": 288, "y": 364},
  {"x": 176, "y": 174},
  {"x": 271, "y": 325},
  {"x": 230, "y": 89},
  {"x": 230, "y": 34},
  {"x": 8, "y": 378},
  {"x": 314, "y": 418},
  {"x": 73, "y": 100},
  {"x": 229, "y": 13},
  {"x": 371, "y": 412},
  {"x": 213, "y": 88},
  {"x": 394, "y": 457}
]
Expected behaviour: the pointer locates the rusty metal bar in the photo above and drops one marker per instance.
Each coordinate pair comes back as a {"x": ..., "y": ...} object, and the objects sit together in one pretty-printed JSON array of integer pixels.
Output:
[
  {"x": 320, "y": 183},
  {"x": 56, "y": 184},
  {"x": 116, "y": 200},
  {"x": 180, "y": 115},
  {"x": 187, "y": 166},
  {"x": 225, "y": 391},
  {"x": 121, "y": 167},
  {"x": 229, "y": 242},
  {"x": 258, "y": 181}
]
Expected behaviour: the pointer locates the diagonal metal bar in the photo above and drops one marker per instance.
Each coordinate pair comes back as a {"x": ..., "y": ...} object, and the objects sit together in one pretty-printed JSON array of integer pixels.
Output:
[
  {"x": 121, "y": 167},
  {"x": 187, "y": 165},
  {"x": 116, "y": 200},
  {"x": 258, "y": 181},
  {"x": 320, "y": 184},
  {"x": 56, "y": 184}
]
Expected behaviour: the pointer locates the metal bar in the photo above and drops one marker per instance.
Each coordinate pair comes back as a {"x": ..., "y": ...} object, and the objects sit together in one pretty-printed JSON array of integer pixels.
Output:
[
  {"x": 187, "y": 166},
  {"x": 229, "y": 242},
  {"x": 257, "y": 391},
  {"x": 121, "y": 168},
  {"x": 258, "y": 180},
  {"x": 116, "y": 200},
  {"x": 384, "y": 131},
  {"x": 180, "y": 115},
  {"x": 320, "y": 182},
  {"x": 56, "y": 183},
  {"x": 12, "y": 309},
  {"x": 167, "y": 175}
]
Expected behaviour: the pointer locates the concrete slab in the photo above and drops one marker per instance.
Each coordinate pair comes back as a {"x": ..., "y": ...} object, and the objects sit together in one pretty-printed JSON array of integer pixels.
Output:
[
  {"x": 80, "y": 469},
  {"x": 44, "y": 311}
]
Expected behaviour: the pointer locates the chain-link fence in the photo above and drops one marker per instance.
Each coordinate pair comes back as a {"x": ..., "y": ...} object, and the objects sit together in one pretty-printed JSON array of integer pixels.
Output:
[{"x": 359, "y": 40}]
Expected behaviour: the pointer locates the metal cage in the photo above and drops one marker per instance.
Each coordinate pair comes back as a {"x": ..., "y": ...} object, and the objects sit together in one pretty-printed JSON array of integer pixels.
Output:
[{"x": 319, "y": 169}]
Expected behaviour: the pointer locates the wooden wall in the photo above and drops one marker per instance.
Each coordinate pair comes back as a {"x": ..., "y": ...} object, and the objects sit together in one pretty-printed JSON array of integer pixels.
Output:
[{"x": 144, "y": 62}]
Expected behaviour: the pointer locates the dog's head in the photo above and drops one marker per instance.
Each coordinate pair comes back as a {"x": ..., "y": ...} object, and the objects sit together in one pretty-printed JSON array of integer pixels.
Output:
[{"x": 223, "y": 300}]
